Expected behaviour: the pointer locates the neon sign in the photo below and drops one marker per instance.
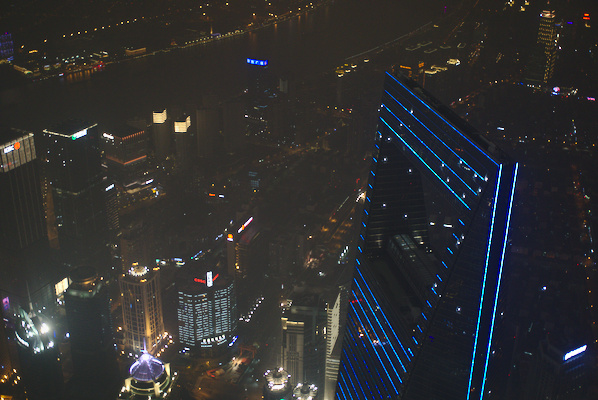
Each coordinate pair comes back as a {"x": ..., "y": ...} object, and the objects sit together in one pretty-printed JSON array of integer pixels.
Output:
[
  {"x": 253, "y": 61},
  {"x": 79, "y": 134},
  {"x": 210, "y": 280}
]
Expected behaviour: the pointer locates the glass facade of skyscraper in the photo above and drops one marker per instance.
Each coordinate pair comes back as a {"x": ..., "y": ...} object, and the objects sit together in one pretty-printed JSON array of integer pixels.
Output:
[{"x": 430, "y": 258}]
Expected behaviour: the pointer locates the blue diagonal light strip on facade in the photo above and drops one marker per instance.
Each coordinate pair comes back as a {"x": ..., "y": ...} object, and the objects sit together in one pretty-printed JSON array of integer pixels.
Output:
[
  {"x": 428, "y": 147},
  {"x": 381, "y": 328},
  {"x": 502, "y": 259},
  {"x": 378, "y": 305},
  {"x": 376, "y": 351},
  {"x": 451, "y": 126},
  {"x": 477, "y": 329},
  {"x": 427, "y": 166}
]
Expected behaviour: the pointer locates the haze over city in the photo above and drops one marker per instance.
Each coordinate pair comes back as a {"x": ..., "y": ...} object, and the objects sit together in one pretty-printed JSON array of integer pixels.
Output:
[{"x": 332, "y": 199}]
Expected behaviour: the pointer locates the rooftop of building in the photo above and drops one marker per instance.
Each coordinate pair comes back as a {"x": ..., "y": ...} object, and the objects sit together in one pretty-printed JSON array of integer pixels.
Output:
[
  {"x": 8, "y": 135},
  {"x": 69, "y": 127},
  {"x": 147, "y": 368}
]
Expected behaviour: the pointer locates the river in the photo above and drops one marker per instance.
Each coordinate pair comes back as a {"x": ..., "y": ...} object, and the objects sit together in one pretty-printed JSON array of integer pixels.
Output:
[{"x": 298, "y": 48}]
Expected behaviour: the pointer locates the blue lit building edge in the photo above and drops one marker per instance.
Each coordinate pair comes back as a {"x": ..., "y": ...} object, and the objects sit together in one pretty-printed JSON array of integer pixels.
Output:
[{"x": 385, "y": 355}]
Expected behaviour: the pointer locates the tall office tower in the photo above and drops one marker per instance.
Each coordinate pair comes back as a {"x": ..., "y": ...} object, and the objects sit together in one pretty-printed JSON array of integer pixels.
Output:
[
  {"x": 335, "y": 313},
  {"x": 74, "y": 170},
  {"x": 161, "y": 135},
  {"x": 559, "y": 371},
  {"x": 39, "y": 358},
  {"x": 6, "y": 368},
  {"x": 304, "y": 338},
  {"x": 21, "y": 211},
  {"x": 136, "y": 242},
  {"x": 548, "y": 42},
  {"x": 238, "y": 246},
  {"x": 431, "y": 250},
  {"x": 143, "y": 322},
  {"x": 125, "y": 158},
  {"x": 183, "y": 142},
  {"x": 90, "y": 331},
  {"x": 149, "y": 378},
  {"x": 293, "y": 338},
  {"x": 207, "y": 309},
  {"x": 208, "y": 130}
]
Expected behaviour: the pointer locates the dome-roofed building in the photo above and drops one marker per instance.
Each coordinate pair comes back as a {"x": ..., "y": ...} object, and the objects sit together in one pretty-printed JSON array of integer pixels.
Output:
[{"x": 149, "y": 378}]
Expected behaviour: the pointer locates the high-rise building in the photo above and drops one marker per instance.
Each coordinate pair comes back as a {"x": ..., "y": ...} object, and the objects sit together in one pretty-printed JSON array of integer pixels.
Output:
[
  {"x": 90, "y": 333},
  {"x": 430, "y": 259},
  {"x": 143, "y": 322},
  {"x": 21, "y": 211},
  {"x": 6, "y": 368},
  {"x": 293, "y": 338},
  {"x": 335, "y": 313},
  {"x": 548, "y": 42},
  {"x": 39, "y": 358},
  {"x": 126, "y": 160},
  {"x": 74, "y": 170},
  {"x": 238, "y": 245},
  {"x": 207, "y": 308},
  {"x": 559, "y": 371},
  {"x": 184, "y": 142},
  {"x": 540, "y": 66},
  {"x": 136, "y": 242},
  {"x": 303, "y": 351},
  {"x": 161, "y": 135}
]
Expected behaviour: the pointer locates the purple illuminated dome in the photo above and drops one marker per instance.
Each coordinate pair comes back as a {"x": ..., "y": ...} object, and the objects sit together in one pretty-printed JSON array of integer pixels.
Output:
[{"x": 147, "y": 368}]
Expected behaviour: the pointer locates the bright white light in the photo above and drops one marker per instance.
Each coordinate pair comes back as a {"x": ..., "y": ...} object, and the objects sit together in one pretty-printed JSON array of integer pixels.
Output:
[
  {"x": 79, "y": 134},
  {"x": 8, "y": 149},
  {"x": 110, "y": 187},
  {"x": 575, "y": 352},
  {"x": 44, "y": 328}
]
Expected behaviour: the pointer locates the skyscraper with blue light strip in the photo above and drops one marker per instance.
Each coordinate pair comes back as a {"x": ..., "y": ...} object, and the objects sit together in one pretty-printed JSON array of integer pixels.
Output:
[{"x": 430, "y": 258}]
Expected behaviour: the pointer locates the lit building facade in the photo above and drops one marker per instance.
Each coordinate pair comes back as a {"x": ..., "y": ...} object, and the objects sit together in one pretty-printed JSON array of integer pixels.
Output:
[
  {"x": 149, "y": 379},
  {"x": 293, "y": 347},
  {"x": 184, "y": 142},
  {"x": 207, "y": 310},
  {"x": 548, "y": 41},
  {"x": 161, "y": 135},
  {"x": 430, "y": 258},
  {"x": 126, "y": 161},
  {"x": 335, "y": 313},
  {"x": 143, "y": 322},
  {"x": 21, "y": 211}
]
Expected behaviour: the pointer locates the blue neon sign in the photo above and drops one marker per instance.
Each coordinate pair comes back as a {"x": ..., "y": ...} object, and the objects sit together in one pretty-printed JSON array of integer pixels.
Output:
[{"x": 253, "y": 61}]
